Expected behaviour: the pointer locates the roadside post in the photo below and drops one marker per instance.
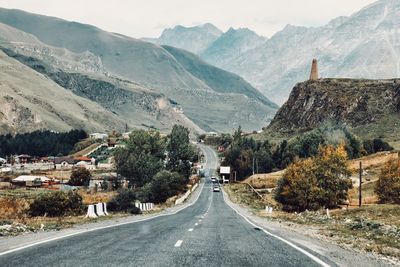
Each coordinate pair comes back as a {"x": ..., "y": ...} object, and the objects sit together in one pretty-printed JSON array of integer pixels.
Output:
[{"x": 360, "y": 187}]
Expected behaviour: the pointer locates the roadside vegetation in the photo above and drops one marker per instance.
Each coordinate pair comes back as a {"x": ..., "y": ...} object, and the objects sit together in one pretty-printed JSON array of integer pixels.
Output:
[
  {"x": 149, "y": 168},
  {"x": 156, "y": 167},
  {"x": 246, "y": 155}
]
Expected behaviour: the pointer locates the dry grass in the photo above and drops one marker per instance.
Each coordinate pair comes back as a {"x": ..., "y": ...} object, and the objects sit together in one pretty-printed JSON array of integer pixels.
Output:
[
  {"x": 14, "y": 205},
  {"x": 98, "y": 197},
  {"x": 373, "y": 161},
  {"x": 264, "y": 180}
]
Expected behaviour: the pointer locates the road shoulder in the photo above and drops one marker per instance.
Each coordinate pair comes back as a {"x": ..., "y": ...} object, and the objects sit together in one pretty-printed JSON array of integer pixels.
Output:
[
  {"x": 9, "y": 243},
  {"x": 334, "y": 253}
]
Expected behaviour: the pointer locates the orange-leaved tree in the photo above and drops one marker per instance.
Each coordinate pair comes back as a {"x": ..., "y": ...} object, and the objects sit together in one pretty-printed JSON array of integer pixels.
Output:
[
  {"x": 388, "y": 185},
  {"x": 317, "y": 182}
]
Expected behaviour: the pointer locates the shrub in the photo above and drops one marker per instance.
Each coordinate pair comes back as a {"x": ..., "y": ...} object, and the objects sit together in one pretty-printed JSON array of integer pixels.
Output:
[
  {"x": 124, "y": 201},
  {"x": 80, "y": 177},
  {"x": 317, "y": 182},
  {"x": 376, "y": 145},
  {"x": 164, "y": 185},
  {"x": 388, "y": 185},
  {"x": 57, "y": 203}
]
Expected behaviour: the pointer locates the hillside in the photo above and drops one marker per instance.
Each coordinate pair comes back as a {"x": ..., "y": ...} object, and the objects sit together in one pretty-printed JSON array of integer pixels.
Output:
[
  {"x": 151, "y": 66},
  {"x": 135, "y": 105},
  {"x": 370, "y": 108},
  {"x": 219, "y": 80},
  {"x": 30, "y": 101}
]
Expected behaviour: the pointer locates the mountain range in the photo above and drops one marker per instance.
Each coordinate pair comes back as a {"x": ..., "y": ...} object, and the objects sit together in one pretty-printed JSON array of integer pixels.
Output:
[
  {"x": 363, "y": 45},
  {"x": 160, "y": 82}
]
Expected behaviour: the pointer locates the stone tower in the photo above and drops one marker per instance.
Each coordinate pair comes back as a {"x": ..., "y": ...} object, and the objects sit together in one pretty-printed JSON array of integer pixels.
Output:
[{"x": 314, "y": 70}]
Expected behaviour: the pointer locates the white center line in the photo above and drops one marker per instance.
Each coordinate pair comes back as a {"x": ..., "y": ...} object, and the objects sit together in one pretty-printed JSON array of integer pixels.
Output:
[
  {"x": 191, "y": 229},
  {"x": 178, "y": 243}
]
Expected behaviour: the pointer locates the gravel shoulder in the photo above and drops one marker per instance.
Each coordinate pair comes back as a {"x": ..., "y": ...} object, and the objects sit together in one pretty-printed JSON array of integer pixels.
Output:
[{"x": 311, "y": 239}]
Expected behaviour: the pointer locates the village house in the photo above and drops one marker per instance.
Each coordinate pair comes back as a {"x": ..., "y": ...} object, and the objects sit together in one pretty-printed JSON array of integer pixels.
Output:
[
  {"x": 98, "y": 136},
  {"x": 64, "y": 162},
  {"x": 23, "y": 159}
]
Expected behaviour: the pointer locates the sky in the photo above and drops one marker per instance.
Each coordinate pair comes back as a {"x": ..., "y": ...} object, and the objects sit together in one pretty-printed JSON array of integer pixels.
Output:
[{"x": 147, "y": 18}]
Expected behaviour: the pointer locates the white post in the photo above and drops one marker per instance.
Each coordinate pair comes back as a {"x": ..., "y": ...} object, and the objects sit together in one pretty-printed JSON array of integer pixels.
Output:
[
  {"x": 91, "y": 213},
  {"x": 99, "y": 209}
]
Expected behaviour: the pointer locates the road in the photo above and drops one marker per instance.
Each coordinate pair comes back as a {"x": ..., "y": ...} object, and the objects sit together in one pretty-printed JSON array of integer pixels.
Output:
[{"x": 207, "y": 233}]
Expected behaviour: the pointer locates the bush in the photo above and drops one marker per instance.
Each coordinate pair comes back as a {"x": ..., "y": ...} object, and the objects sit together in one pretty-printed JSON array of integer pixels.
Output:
[
  {"x": 376, "y": 145},
  {"x": 388, "y": 186},
  {"x": 317, "y": 182},
  {"x": 124, "y": 201},
  {"x": 57, "y": 203},
  {"x": 80, "y": 177},
  {"x": 163, "y": 186}
]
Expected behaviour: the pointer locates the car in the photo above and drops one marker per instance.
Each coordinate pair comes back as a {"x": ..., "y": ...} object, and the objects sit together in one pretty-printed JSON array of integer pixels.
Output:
[
  {"x": 216, "y": 189},
  {"x": 213, "y": 179}
]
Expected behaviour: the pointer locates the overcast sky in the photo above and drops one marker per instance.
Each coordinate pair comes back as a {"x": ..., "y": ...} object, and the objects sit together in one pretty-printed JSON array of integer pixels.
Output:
[{"x": 147, "y": 18}]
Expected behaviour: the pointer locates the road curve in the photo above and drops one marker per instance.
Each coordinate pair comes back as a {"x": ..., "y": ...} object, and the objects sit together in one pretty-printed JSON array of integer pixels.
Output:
[{"x": 207, "y": 233}]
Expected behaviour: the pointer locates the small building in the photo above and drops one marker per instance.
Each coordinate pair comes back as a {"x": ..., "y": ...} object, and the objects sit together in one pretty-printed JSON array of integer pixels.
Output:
[
  {"x": 111, "y": 142},
  {"x": 2, "y": 161},
  {"x": 96, "y": 136},
  {"x": 64, "y": 162},
  {"x": 85, "y": 159},
  {"x": 23, "y": 159},
  {"x": 32, "y": 180}
]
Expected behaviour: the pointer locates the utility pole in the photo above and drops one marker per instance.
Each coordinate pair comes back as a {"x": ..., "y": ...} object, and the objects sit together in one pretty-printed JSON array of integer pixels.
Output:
[
  {"x": 253, "y": 164},
  {"x": 360, "y": 187}
]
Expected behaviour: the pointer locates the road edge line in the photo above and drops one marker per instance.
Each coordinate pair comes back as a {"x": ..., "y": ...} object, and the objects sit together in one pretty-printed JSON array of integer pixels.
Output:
[
  {"x": 308, "y": 254},
  {"x": 100, "y": 228}
]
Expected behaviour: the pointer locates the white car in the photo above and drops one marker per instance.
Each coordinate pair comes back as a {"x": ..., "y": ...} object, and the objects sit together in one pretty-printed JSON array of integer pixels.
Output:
[
  {"x": 216, "y": 189},
  {"x": 213, "y": 179}
]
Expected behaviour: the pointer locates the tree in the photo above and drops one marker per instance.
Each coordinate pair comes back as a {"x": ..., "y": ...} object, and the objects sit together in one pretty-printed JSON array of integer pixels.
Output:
[
  {"x": 58, "y": 203},
  {"x": 317, "y": 182},
  {"x": 179, "y": 151},
  {"x": 80, "y": 177},
  {"x": 388, "y": 185},
  {"x": 142, "y": 157},
  {"x": 164, "y": 185},
  {"x": 124, "y": 201}
]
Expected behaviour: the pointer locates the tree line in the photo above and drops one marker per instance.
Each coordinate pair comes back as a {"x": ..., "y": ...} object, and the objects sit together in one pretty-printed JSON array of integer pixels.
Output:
[
  {"x": 245, "y": 155},
  {"x": 40, "y": 143}
]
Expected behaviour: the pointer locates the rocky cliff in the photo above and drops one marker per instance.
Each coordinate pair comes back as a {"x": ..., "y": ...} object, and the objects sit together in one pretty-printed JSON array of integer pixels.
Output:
[{"x": 370, "y": 108}]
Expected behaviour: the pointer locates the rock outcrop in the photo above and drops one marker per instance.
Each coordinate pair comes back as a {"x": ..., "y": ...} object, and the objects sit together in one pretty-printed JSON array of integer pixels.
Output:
[{"x": 371, "y": 108}]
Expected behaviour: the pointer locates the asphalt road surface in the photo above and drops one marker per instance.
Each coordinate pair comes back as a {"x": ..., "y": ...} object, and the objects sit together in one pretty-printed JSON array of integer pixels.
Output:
[{"x": 207, "y": 233}]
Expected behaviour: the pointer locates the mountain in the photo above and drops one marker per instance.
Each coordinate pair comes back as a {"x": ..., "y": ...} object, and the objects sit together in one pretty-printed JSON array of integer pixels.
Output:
[
  {"x": 95, "y": 52},
  {"x": 370, "y": 108},
  {"x": 230, "y": 45},
  {"x": 30, "y": 101},
  {"x": 194, "y": 39},
  {"x": 220, "y": 80},
  {"x": 364, "y": 45},
  {"x": 85, "y": 76}
]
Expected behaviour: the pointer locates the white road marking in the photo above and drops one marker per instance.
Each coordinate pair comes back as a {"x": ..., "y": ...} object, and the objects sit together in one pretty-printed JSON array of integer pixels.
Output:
[
  {"x": 199, "y": 220},
  {"x": 98, "y": 228},
  {"x": 178, "y": 243},
  {"x": 196, "y": 224},
  {"x": 190, "y": 230},
  {"x": 311, "y": 256}
]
